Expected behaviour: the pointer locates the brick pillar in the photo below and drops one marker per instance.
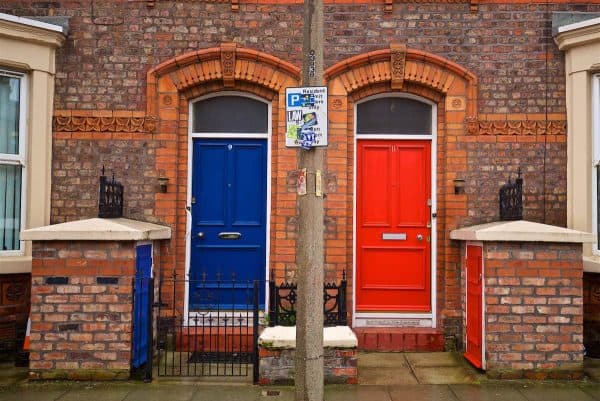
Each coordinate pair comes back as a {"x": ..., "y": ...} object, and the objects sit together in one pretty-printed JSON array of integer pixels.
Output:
[
  {"x": 81, "y": 312},
  {"x": 533, "y": 310}
]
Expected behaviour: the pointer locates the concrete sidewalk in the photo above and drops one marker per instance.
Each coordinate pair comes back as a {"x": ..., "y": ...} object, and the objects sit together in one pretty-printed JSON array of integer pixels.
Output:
[{"x": 219, "y": 392}]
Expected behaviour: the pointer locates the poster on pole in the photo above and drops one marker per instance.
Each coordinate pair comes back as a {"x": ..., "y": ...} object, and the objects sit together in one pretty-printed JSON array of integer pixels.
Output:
[{"x": 306, "y": 116}]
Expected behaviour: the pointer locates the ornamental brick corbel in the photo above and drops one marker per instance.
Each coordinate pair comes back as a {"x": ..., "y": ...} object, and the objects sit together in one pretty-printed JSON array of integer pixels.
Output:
[
  {"x": 389, "y": 6},
  {"x": 397, "y": 63},
  {"x": 228, "y": 64}
]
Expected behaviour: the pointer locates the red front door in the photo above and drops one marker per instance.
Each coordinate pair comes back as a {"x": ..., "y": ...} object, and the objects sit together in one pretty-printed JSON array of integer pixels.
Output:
[
  {"x": 474, "y": 315},
  {"x": 393, "y": 219}
]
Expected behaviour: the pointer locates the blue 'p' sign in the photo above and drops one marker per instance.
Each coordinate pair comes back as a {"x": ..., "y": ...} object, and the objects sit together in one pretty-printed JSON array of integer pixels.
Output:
[{"x": 294, "y": 99}]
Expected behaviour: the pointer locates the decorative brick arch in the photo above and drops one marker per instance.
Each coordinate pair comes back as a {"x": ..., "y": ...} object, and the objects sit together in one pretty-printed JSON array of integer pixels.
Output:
[
  {"x": 454, "y": 89},
  {"x": 170, "y": 87}
]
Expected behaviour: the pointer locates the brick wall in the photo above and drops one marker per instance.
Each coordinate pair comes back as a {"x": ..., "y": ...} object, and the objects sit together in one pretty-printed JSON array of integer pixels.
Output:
[
  {"x": 112, "y": 44},
  {"x": 533, "y": 310},
  {"x": 81, "y": 329},
  {"x": 121, "y": 145},
  {"x": 102, "y": 73},
  {"x": 277, "y": 366}
]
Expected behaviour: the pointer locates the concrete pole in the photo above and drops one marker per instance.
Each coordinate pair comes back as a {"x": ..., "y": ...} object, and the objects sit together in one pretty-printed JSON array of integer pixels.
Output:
[{"x": 309, "y": 255}]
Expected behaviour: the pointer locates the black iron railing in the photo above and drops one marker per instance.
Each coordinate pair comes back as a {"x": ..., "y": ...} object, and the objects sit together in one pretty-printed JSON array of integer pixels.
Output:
[
  {"x": 511, "y": 199},
  {"x": 110, "y": 200},
  {"x": 283, "y": 298},
  {"x": 218, "y": 334}
]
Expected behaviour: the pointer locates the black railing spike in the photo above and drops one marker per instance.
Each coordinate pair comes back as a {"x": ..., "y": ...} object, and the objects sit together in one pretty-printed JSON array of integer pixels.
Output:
[
  {"x": 103, "y": 169},
  {"x": 344, "y": 274}
]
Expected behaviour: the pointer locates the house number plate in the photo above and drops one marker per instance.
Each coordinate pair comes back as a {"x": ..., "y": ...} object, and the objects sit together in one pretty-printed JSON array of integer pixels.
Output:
[{"x": 394, "y": 236}]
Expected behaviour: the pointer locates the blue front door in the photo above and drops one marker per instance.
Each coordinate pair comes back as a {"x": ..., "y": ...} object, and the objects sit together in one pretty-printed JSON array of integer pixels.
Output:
[{"x": 228, "y": 236}]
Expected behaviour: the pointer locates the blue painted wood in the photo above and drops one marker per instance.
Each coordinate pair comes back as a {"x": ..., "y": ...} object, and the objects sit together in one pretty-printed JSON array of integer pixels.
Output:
[
  {"x": 229, "y": 186},
  {"x": 141, "y": 320}
]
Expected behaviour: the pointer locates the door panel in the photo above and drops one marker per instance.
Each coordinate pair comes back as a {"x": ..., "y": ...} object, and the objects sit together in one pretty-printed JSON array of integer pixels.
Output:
[
  {"x": 393, "y": 234},
  {"x": 474, "y": 312},
  {"x": 228, "y": 237}
]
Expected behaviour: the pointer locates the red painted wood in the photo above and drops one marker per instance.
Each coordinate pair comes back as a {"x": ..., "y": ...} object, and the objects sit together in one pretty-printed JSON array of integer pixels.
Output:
[
  {"x": 473, "y": 351},
  {"x": 393, "y": 189}
]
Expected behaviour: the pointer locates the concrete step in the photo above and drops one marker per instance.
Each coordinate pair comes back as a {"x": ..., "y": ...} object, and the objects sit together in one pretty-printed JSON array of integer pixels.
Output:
[{"x": 388, "y": 339}]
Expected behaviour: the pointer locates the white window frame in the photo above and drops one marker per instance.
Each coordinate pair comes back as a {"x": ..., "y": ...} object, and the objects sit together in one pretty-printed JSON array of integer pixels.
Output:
[
  {"x": 21, "y": 158},
  {"x": 595, "y": 155}
]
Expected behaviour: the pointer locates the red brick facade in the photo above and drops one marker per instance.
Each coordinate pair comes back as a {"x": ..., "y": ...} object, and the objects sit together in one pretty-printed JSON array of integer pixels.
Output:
[{"x": 129, "y": 70}]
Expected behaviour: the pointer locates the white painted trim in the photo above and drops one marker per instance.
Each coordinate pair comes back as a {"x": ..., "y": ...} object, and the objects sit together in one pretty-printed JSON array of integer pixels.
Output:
[
  {"x": 433, "y": 153},
  {"x": 595, "y": 155},
  {"x": 225, "y": 136},
  {"x": 483, "y": 322},
  {"x": 191, "y": 137},
  {"x": 393, "y": 315},
  {"x": 31, "y": 22},
  {"x": 395, "y": 137},
  {"x": 578, "y": 25},
  {"x": 22, "y": 158}
]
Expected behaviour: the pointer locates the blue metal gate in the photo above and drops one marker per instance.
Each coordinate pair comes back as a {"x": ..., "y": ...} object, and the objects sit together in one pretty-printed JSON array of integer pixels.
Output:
[{"x": 143, "y": 287}]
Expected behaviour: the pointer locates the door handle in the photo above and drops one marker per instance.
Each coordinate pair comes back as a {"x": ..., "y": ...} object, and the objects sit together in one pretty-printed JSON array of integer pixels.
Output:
[
  {"x": 420, "y": 237},
  {"x": 200, "y": 235},
  {"x": 230, "y": 235}
]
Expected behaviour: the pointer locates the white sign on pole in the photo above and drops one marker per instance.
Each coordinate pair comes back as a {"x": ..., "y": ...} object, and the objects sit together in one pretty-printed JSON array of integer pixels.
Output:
[{"x": 306, "y": 116}]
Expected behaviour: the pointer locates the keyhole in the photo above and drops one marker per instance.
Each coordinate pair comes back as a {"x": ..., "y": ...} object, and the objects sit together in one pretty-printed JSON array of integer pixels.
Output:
[{"x": 230, "y": 146}]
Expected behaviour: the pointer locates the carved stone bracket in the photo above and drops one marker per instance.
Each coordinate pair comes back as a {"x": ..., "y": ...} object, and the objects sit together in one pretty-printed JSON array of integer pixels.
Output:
[
  {"x": 104, "y": 124},
  {"x": 228, "y": 64},
  {"x": 389, "y": 6},
  {"x": 526, "y": 127},
  {"x": 397, "y": 62}
]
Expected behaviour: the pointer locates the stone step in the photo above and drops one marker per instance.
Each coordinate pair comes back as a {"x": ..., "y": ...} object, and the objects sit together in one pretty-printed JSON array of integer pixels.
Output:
[{"x": 399, "y": 339}]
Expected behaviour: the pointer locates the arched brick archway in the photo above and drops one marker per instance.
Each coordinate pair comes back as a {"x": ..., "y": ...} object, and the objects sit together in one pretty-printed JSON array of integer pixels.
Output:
[
  {"x": 454, "y": 90},
  {"x": 170, "y": 87}
]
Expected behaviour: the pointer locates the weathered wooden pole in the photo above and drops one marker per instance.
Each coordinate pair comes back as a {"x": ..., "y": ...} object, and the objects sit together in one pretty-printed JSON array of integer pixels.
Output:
[{"x": 309, "y": 255}]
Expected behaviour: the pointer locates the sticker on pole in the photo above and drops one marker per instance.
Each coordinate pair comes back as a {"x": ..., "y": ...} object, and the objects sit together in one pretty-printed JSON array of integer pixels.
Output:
[{"x": 306, "y": 116}]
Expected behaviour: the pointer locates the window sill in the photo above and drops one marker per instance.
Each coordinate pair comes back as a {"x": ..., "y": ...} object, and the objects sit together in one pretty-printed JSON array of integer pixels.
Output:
[
  {"x": 15, "y": 264},
  {"x": 591, "y": 264}
]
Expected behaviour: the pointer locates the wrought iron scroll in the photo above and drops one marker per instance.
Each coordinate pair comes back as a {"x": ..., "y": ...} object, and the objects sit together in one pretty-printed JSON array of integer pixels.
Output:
[
  {"x": 110, "y": 200},
  {"x": 283, "y": 298},
  {"x": 511, "y": 199}
]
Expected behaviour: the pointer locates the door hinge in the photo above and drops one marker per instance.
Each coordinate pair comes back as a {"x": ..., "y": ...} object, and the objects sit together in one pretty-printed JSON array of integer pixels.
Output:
[
  {"x": 193, "y": 201},
  {"x": 429, "y": 202}
]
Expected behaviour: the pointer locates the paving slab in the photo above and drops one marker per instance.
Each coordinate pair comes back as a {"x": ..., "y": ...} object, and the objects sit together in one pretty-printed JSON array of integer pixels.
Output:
[
  {"x": 443, "y": 375},
  {"x": 356, "y": 393},
  {"x": 100, "y": 392},
  {"x": 471, "y": 392},
  {"x": 386, "y": 376},
  {"x": 381, "y": 360},
  {"x": 33, "y": 392},
  {"x": 593, "y": 390},
  {"x": 227, "y": 393},
  {"x": 9, "y": 374},
  {"x": 431, "y": 359},
  {"x": 550, "y": 392},
  {"x": 154, "y": 392},
  {"x": 421, "y": 393}
]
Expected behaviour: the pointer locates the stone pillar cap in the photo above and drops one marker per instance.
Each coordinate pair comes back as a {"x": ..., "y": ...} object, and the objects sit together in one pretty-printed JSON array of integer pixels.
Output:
[
  {"x": 98, "y": 229},
  {"x": 285, "y": 337},
  {"x": 520, "y": 231}
]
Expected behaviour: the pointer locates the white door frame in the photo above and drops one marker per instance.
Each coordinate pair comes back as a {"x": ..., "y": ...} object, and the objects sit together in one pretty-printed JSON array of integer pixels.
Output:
[
  {"x": 193, "y": 135},
  {"x": 373, "y": 319}
]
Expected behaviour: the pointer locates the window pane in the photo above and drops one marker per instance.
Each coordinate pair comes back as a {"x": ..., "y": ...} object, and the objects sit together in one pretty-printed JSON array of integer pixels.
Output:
[
  {"x": 230, "y": 114},
  {"x": 9, "y": 114},
  {"x": 10, "y": 207},
  {"x": 393, "y": 115}
]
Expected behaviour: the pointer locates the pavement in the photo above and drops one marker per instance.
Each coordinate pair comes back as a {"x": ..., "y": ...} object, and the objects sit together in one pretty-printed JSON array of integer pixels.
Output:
[{"x": 382, "y": 377}]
